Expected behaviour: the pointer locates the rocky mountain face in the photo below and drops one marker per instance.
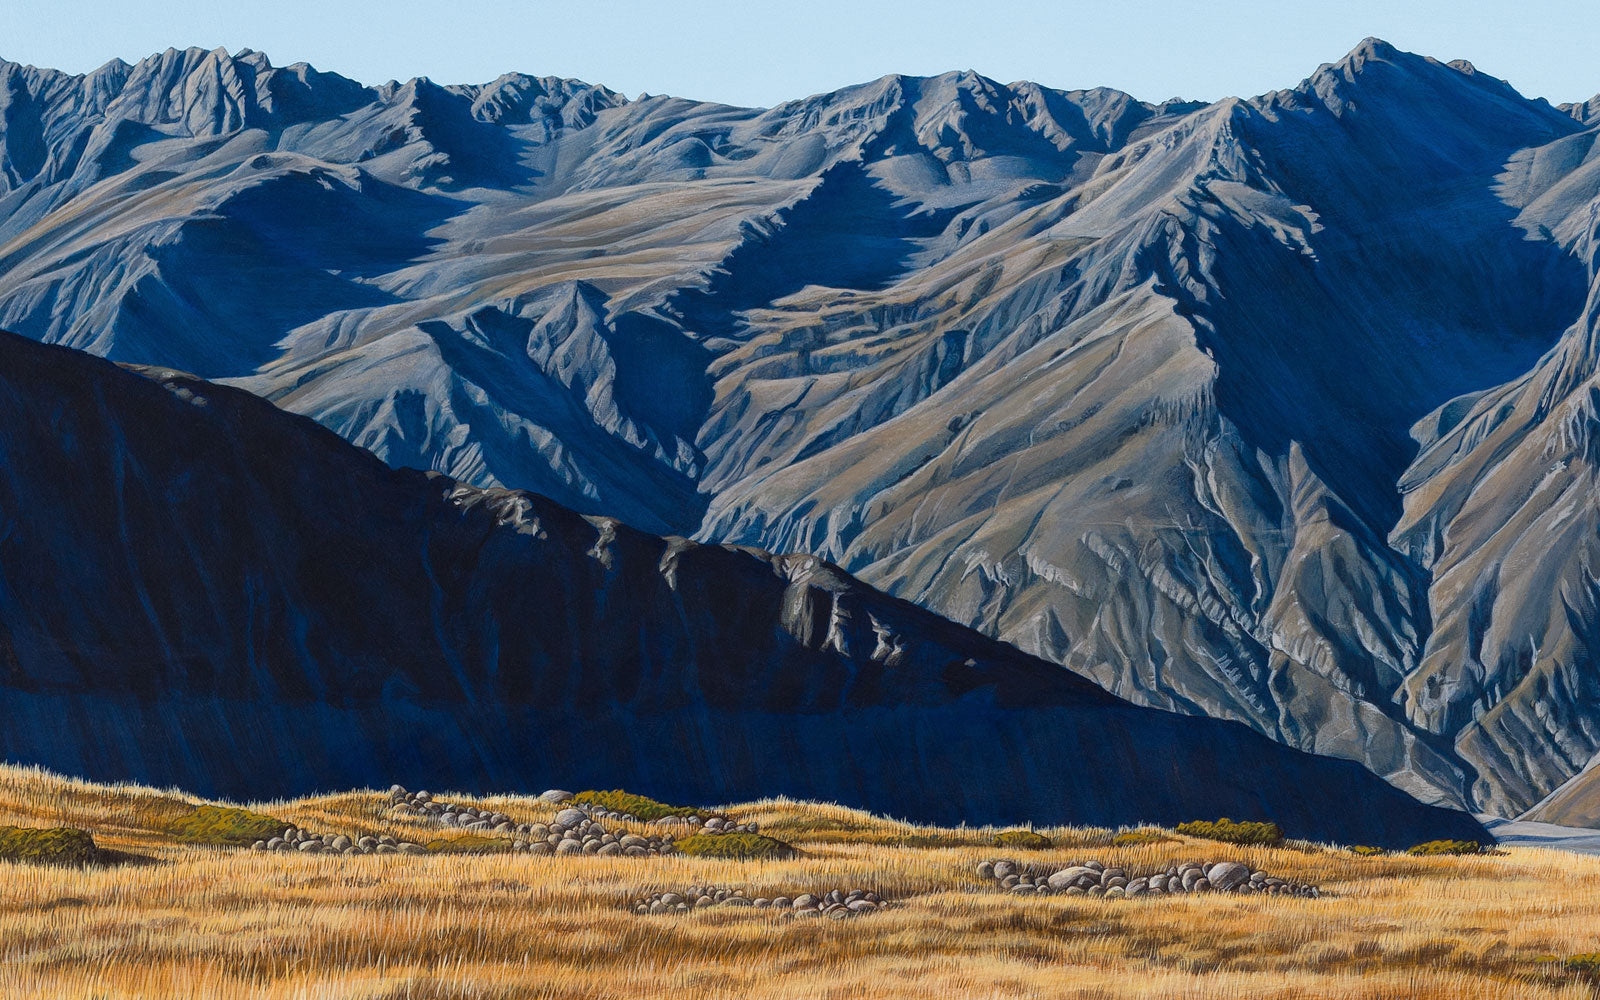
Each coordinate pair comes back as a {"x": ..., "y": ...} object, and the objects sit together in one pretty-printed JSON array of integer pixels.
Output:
[
  {"x": 198, "y": 588},
  {"x": 1267, "y": 410}
]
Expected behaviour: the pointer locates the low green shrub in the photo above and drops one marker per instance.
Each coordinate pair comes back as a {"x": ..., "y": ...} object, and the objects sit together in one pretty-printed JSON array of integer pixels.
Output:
[
  {"x": 738, "y": 846},
  {"x": 1132, "y": 838},
  {"x": 63, "y": 845},
  {"x": 469, "y": 844},
  {"x": 1227, "y": 831},
  {"x": 920, "y": 840},
  {"x": 224, "y": 826},
  {"x": 1023, "y": 839},
  {"x": 1435, "y": 847},
  {"x": 1368, "y": 852},
  {"x": 646, "y": 809},
  {"x": 1586, "y": 965}
]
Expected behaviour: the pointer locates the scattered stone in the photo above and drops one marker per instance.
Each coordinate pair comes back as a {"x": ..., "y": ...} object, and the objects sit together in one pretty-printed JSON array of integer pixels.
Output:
[{"x": 836, "y": 903}]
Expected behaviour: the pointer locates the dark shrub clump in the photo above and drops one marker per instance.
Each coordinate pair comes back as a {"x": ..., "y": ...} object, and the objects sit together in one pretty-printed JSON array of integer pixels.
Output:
[
  {"x": 1024, "y": 839},
  {"x": 739, "y": 846},
  {"x": 1433, "y": 847},
  {"x": 1227, "y": 831},
  {"x": 224, "y": 826},
  {"x": 1132, "y": 838},
  {"x": 1586, "y": 965},
  {"x": 646, "y": 809},
  {"x": 60, "y": 846}
]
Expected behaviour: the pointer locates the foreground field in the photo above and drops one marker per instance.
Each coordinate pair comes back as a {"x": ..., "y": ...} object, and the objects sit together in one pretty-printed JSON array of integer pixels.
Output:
[{"x": 172, "y": 919}]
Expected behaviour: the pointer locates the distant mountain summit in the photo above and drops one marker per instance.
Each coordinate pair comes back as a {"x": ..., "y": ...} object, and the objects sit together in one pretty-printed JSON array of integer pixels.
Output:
[{"x": 1271, "y": 410}]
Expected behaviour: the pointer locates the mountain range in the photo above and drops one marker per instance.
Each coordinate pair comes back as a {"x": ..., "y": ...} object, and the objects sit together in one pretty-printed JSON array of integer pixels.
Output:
[{"x": 1279, "y": 411}]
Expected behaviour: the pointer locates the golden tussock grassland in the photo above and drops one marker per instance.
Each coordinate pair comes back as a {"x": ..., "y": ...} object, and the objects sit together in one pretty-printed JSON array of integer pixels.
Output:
[{"x": 178, "y": 920}]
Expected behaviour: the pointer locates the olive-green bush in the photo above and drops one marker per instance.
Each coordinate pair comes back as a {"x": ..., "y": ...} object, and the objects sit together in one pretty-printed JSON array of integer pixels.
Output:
[
  {"x": 1023, "y": 839},
  {"x": 224, "y": 826},
  {"x": 646, "y": 809},
  {"x": 738, "y": 846},
  {"x": 1133, "y": 838},
  {"x": 1434, "y": 847},
  {"x": 1228, "y": 831},
  {"x": 58, "y": 846}
]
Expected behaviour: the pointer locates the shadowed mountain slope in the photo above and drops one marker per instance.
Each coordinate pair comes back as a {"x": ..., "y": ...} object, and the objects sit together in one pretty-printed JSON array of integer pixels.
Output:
[{"x": 198, "y": 588}]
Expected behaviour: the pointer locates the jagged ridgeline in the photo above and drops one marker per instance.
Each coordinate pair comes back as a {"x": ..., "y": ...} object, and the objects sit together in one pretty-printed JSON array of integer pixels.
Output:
[{"x": 1276, "y": 410}]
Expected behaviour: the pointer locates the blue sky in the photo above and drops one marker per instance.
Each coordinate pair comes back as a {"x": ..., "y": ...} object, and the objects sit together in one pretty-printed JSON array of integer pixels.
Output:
[{"x": 758, "y": 52}]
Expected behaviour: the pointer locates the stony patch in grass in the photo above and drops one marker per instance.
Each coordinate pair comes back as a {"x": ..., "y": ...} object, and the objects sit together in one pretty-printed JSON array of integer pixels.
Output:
[
  {"x": 735, "y": 846},
  {"x": 224, "y": 826},
  {"x": 1435, "y": 847},
  {"x": 1023, "y": 840},
  {"x": 63, "y": 845},
  {"x": 1230, "y": 832},
  {"x": 839, "y": 904}
]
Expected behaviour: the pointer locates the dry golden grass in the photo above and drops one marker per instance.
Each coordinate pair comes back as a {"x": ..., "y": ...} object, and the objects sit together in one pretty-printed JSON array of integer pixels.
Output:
[{"x": 208, "y": 923}]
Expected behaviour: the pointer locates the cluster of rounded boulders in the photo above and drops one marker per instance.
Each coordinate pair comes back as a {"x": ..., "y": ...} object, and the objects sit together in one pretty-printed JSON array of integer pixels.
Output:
[
  {"x": 573, "y": 831},
  {"x": 423, "y": 804},
  {"x": 293, "y": 839},
  {"x": 836, "y": 904},
  {"x": 707, "y": 824},
  {"x": 1091, "y": 878},
  {"x": 483, "y": 821}
]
